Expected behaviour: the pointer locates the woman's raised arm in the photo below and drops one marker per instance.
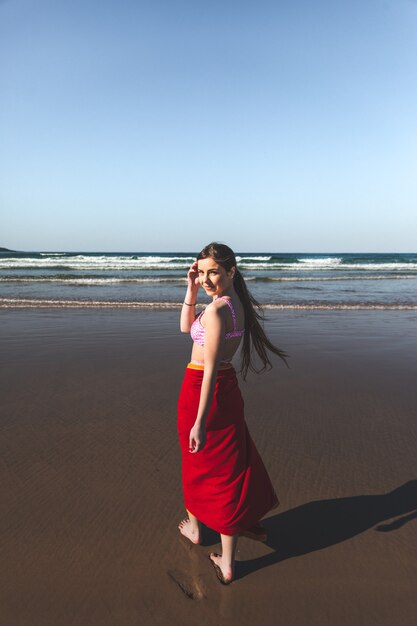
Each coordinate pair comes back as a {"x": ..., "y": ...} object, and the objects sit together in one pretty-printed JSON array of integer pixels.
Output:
[{"x": 190, "y": 300}]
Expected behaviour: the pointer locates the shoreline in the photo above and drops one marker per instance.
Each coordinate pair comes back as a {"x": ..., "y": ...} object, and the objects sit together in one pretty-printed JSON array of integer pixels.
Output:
[{"x": 9, "y": 303}]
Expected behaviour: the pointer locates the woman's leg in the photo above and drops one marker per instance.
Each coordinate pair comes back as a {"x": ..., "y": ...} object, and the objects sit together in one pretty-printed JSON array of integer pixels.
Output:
[
  {"x": 226, "y": 561},
  {"x": 190, "y": 528}
]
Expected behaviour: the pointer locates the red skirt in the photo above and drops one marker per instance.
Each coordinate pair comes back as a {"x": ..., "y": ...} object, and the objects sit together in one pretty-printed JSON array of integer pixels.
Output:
[{"x": 226, "y": 485}]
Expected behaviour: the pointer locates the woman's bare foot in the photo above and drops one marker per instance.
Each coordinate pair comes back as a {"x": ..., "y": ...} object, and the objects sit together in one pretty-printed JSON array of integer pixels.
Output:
[
  {"x": 191, "y": 531},
  {"x": 224, "y": 571}
]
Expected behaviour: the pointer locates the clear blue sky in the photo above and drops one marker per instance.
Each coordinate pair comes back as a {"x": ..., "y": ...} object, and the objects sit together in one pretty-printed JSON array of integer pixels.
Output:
[{"x": 163, "y": 125}]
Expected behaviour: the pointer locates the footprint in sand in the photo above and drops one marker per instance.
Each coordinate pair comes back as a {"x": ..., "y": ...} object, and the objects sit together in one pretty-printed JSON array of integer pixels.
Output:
[{"x": 193, "y": 588}]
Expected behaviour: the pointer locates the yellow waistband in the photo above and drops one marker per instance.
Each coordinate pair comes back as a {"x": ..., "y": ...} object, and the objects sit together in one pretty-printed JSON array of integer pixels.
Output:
[{"x": 200, "y": 366}]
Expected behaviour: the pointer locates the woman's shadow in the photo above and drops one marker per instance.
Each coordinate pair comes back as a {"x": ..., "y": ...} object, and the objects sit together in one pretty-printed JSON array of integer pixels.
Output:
[{"x": 322, "y": 523}]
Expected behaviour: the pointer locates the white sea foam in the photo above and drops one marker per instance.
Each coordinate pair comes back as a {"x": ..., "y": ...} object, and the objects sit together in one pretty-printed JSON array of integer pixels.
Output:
[
  {"x": 306, "y": 267},
  {"x": 321, "y": 262},
  {"x": 82, "y": 262},
  {"x": 140, "y": 262},
  {"x": 43, "y": 303},
  {"x": 53, "y": 253},
  {"x": 325, "y": 279},
  {"x": 380, "y": 266},
  {"x": 181, "y": 280},
  {"x": 91, "y": 281},
  {"x": 239, "y": 259}
]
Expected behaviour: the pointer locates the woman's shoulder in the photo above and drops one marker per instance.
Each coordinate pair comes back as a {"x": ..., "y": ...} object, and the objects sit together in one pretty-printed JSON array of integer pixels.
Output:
[
  {"x": 215, "y": 307},
  {"x": 216, "y": 310},
  {"x": 219, "y": 306}
]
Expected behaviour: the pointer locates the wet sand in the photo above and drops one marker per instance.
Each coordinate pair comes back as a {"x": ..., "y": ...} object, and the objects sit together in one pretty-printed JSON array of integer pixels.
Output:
[{"x": 90, "y": 474}]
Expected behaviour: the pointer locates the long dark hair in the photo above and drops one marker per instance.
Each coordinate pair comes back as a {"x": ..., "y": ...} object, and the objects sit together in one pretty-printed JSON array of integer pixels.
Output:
[{"x": 254, "y": 337}]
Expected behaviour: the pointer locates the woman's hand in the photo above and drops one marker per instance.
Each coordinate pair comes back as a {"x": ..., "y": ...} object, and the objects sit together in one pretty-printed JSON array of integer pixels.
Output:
[
  {"x": 192, "y": 277},
  {"x": 197, "y": 438}
]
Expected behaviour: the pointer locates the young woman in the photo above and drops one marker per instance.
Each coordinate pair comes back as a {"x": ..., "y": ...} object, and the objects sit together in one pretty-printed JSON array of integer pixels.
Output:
[{"x": 225, "y": 483}]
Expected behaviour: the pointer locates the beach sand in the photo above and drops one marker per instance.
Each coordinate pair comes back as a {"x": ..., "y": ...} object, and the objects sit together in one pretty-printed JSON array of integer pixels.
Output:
[{"x": 91, "y": 486}]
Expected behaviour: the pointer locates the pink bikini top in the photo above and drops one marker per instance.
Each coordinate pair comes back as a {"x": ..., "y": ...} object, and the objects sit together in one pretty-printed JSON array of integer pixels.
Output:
[{"x": 197, "y": 329}]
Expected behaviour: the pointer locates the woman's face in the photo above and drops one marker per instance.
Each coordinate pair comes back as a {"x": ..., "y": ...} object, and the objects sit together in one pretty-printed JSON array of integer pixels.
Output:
[{"x": 214, "y": 279}]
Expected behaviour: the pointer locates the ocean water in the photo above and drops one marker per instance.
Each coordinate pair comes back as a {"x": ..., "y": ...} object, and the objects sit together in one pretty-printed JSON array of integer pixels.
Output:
[{"x": 277, "y": 280}]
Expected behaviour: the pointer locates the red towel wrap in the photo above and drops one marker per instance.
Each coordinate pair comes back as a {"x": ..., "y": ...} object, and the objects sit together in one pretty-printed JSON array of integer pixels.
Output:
[{"x": 226, "y": 485}]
